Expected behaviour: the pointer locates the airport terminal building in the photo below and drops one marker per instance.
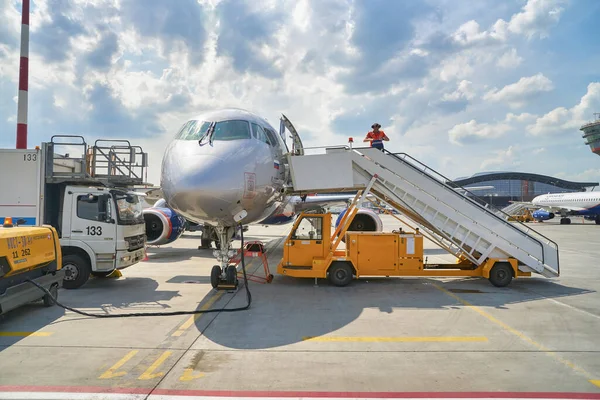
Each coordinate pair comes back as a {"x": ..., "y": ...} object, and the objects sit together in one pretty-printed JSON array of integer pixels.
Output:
[{"x": 518, "y": 186}]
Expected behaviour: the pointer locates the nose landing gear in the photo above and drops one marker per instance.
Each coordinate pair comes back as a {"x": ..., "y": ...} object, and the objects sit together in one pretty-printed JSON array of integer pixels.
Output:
[
  {"x": 224, "y": 277},
  {"x": 224, "y": 280}
]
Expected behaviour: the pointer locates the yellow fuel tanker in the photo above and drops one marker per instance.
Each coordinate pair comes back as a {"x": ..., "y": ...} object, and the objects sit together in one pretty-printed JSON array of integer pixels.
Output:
[{"x": 28, "y": 252}]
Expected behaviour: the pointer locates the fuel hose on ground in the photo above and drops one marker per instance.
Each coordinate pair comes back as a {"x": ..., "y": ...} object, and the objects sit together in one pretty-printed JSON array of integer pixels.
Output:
[{"x": 159, "y": 314}]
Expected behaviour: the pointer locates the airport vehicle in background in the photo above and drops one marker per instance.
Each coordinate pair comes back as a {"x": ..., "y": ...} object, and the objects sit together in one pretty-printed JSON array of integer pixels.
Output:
[
  {"x": 586, "y": 204},
  {"x": 28, "y": 252},
  {"x": 86, "y": 198}
]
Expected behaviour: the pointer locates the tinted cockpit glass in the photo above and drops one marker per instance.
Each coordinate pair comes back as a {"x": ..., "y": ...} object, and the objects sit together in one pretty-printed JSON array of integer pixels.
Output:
[
  {"x": 192, "y": 130},
  {"x": 231, "y": 130}
]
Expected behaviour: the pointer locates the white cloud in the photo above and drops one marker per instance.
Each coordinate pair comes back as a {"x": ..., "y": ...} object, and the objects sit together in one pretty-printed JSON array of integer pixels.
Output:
[
  {"x": 539, "y": 151},
  {"x": 536, "y": 18},
  {"x": 588, "y": 175},
  {"x": 463, "y": 91},
  {"x": 473, "y": 130},
  {"x": 510, "y": 59},
  {"x": 517, "y": 94},
  {"x": 563, "y": 120},
  {"x": 521, "y": 118},
  {"x": 501, "y": 158}
]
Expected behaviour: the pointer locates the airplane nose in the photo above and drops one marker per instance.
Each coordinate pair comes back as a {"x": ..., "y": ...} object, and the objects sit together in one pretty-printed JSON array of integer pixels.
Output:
[{"x": 201, "y": 186}]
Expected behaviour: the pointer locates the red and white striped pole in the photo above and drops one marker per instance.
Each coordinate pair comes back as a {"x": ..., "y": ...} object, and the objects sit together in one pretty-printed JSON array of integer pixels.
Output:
[{"x": 23, "y": 79}]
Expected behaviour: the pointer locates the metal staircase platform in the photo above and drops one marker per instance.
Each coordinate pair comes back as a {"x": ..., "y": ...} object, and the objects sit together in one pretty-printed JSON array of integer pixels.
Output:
[{"x": 458, "y": 221}]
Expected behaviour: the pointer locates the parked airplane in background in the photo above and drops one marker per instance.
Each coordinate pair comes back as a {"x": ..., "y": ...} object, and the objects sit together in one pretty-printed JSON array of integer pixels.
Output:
[{"x": 586, "y": 204}]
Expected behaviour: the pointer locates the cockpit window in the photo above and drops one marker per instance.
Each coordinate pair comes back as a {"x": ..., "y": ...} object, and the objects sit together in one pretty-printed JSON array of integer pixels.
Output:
[
  {"x": 192, "y": 130},
  {"x": 272, "y": 137},
  {"x": 231, "y": 130},
  {"x": 260, "y": 134}
]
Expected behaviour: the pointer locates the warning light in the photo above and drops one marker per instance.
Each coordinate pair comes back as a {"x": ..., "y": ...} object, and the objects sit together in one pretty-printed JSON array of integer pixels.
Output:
[
  {"x": 350, "y": 140},
  {"x": 8, "y": 222}
]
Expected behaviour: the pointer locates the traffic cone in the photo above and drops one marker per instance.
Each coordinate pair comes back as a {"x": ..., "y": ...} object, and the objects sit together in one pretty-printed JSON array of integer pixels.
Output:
[{"x": 145, "y": 254}]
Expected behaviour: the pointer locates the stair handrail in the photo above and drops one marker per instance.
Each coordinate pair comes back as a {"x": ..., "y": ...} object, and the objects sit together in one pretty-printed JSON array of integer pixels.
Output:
[{"x": 463, "y": 195}]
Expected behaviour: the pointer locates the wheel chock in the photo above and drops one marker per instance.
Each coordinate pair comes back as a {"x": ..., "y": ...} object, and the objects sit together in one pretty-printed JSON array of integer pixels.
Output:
[
  {"x": 115, "y": 274},
  {"x": 226, "y": 286}
]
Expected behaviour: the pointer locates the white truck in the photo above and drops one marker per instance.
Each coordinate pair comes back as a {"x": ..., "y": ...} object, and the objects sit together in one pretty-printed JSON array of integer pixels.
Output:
[{"x": 86, "y": 198}]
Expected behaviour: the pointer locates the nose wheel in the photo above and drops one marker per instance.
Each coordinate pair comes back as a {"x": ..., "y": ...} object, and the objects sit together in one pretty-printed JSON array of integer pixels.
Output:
[{"x": 224, "y": 281}]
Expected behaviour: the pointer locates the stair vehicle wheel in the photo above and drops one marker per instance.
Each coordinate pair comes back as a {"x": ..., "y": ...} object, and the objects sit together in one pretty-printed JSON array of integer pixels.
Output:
[
  {"x": 231, "y": 273},
  {"x": 340, "y": 274},
  {"x": 54, "y": 291},
  {"x": 501, "y": 274},
  {"x": 77, "y": 271},
  {"x": 215, "y": 276}
]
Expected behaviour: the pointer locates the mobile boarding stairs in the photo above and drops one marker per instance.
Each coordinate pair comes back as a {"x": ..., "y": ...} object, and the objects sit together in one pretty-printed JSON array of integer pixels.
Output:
[{"x": 456, "y": 220}]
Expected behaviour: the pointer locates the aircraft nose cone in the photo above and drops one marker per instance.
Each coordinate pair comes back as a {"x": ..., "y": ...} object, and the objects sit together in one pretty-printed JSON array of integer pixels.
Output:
[{"x": 201, "y": 187}]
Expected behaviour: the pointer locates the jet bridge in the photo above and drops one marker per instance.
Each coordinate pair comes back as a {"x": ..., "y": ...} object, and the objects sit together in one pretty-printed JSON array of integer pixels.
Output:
[{"x": 458, "y": 221}]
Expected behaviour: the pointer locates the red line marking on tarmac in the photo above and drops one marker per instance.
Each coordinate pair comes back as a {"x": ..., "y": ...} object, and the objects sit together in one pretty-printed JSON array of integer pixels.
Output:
[{"x": 299, "y": 394}]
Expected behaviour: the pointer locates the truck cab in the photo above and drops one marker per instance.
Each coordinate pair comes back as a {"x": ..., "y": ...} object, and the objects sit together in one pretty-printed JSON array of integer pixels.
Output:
[{"x": 102, "y": 230}]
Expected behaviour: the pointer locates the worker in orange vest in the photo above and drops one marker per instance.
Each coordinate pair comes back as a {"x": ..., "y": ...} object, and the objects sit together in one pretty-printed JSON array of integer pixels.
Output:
[{"x": 376, "y": 137}]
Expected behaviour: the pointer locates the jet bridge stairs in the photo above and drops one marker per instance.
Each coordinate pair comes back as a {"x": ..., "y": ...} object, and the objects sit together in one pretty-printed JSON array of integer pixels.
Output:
[{"x": 458, "y": 221}]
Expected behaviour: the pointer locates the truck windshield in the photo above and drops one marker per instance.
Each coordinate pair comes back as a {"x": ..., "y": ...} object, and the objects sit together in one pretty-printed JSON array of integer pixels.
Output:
[{"x": 129, "y": 208}]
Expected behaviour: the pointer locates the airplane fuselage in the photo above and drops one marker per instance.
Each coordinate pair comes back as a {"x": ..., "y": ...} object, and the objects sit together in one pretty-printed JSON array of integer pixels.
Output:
[
  {"x": 584, "y": 203},
  {"x": 211, "y": 173}
]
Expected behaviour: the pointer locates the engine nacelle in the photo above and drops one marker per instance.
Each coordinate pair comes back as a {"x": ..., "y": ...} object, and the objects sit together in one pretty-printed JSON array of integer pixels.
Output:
[
  {"x": 365, "y": 220},
  {"x": 163, "y": 225},
  {"x": 542, "y": 215}
]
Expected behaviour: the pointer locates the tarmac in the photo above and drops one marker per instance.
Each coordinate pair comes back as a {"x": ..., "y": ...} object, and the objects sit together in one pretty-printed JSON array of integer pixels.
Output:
[{"x": 378, "y": 337}]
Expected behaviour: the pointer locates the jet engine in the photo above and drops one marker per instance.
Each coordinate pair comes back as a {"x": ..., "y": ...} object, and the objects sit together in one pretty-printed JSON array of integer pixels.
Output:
[
  {"x": 542, "y": 215},
  {"x": 365, "y": 220},
  {"x": 163, "y": 225}
]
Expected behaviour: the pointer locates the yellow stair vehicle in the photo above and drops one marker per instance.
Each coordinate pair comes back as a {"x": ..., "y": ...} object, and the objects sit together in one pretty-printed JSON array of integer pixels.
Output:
[
  {"x": 28, "y": 252},
  {"x": 311, "y": 251}
]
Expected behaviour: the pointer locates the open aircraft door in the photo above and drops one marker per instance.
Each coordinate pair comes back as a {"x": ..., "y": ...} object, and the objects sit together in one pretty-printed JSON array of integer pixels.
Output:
[{"x": 297, "y": 147}]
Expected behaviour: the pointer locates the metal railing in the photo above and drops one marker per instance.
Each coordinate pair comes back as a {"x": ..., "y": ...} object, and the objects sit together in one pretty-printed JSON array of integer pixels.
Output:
[{"x": 479, "y": 202}]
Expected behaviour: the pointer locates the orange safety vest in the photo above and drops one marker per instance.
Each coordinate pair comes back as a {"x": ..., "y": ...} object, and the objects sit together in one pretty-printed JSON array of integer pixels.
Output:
[{"x": 377, "y": 137}]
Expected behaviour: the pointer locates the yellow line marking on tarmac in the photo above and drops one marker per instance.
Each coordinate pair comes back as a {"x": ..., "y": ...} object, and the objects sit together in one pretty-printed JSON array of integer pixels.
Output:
[
  {"x": 188, "y": 375},
  {"x": 148, "y": 374},
  {"x": 395, "y": 339},
  {"x": 521, "y": 335},
  {"x": 24, "y": 334},
  {"x": 191, "y": 320},
  {"x": 111, "y": 372}
]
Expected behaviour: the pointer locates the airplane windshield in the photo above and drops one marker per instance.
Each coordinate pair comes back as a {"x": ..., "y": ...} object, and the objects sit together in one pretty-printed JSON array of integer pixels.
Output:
[
  {"x": 224, "y": 130},
  {"x": 231, "y": 130},
  {"x": 192, "y": 130}
]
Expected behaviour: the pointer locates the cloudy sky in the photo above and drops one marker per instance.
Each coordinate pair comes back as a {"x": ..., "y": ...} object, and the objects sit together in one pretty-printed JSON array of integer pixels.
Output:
[{"x": 464, "y": 86}]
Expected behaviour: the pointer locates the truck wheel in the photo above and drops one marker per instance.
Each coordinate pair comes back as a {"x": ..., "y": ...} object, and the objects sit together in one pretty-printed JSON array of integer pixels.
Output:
[
  {"x": 340, "y": 274},
  {"x": 501, "y": 274},
  {"x": 77, "y": 271},
  {"x": 54, "y": 291}
]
